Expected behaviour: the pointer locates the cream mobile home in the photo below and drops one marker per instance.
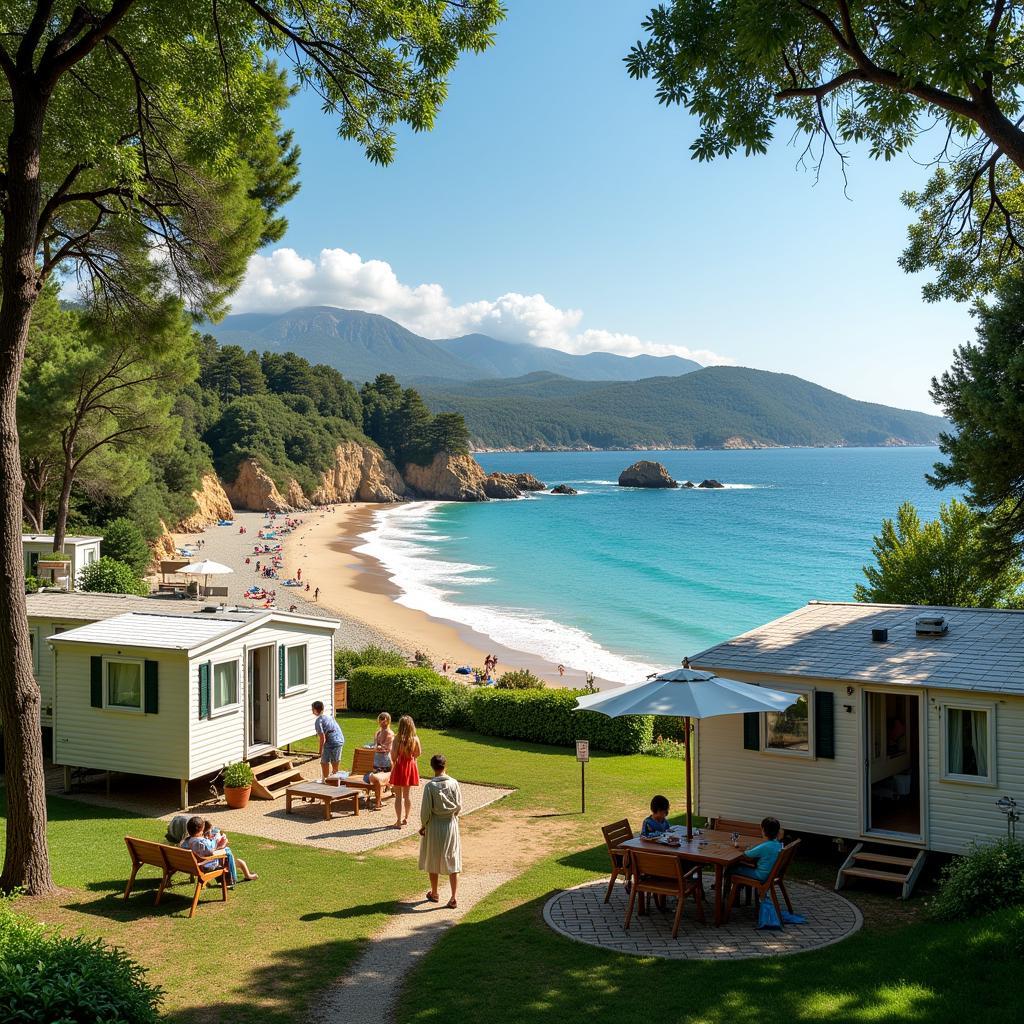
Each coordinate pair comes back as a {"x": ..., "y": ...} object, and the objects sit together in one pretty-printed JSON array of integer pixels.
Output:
[
  {"x": 38, "y": 547},
  {"x": 180, "y": 695},
  {"x": 909, "y": 728}
]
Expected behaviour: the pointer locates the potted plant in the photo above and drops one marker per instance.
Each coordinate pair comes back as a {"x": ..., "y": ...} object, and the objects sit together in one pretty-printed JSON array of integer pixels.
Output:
[{"x": 237, "y": 784}]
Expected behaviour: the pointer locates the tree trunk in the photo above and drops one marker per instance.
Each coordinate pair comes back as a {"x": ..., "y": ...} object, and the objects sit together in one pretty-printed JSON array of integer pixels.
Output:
[
  {"x": 26, "y": 857},
  {"x": 60, "y": 522}
]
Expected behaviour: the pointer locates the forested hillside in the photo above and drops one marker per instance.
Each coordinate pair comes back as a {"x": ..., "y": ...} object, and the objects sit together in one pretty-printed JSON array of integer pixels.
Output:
[{"x": 704, "y": 409}]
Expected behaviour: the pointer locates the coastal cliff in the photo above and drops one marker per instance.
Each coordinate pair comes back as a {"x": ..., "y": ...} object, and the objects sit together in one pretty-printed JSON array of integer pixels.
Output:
[
  {"x": 255, "y": 491},
  {"x": 212, "y": 505},
  {"x": 448, "y": 478},
  {"x": 360, "y": 473}
]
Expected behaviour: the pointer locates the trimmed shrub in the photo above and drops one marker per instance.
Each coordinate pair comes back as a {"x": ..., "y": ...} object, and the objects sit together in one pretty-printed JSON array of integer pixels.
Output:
[
  {"x": 547, "y": 716},
  {"x": 348, "y": 658},
  {"x": 520, "y": 679},
  {"x": 46, "y": 977},
  {"x": 669, "y": 727},
  {"x": 420, "y": 692},
  {"x": 124, "y": 541},
  {"x": 990, "y": 876},
  {"x": 538, "y": 716},
  {"x": 664, "y": 747}
]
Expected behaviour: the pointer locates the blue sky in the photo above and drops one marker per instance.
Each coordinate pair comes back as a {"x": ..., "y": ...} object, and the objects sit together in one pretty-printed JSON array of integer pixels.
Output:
[{"x": 551, "y": 174}]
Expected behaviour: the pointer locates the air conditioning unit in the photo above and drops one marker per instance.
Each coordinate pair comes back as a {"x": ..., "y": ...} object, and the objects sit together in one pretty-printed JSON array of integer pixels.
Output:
[{"x": 931, "y": 625}]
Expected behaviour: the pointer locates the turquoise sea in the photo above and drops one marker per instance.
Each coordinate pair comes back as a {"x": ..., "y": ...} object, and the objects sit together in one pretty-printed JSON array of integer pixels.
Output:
[{"x": 617, "y": 581}]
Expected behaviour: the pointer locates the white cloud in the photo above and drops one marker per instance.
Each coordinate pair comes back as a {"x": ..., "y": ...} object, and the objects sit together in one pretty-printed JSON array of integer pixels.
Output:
[{"x": 283, "y": 280}]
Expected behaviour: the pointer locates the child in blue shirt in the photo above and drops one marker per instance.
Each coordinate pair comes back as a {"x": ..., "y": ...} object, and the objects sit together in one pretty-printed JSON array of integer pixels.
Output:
[
  {"x": 203, "y": 842},
  {"x": 657, "y": 823},
  {"x": 759, "y": 860}
]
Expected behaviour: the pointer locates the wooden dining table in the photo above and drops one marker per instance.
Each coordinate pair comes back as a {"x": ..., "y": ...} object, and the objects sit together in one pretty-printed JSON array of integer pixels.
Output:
[{"x": 710, "y": 848}]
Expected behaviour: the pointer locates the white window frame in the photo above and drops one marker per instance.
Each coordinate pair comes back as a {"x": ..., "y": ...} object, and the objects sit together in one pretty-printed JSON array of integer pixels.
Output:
[
  {"x": 810, "y": 752},
  {"x": 989, "y": 708},
  {"x": 225, "y": 709},
  {"x": 289, "y": 687},
  {"x": 120, "y": 660}
]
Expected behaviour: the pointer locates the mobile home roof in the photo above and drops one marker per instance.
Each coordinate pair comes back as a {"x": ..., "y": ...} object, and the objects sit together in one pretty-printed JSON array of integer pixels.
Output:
[{"x": 983, "y": 650}]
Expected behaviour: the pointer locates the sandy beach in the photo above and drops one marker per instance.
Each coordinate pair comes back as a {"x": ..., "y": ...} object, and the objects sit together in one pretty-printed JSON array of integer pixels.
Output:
[{"x": 354, "y": 587}]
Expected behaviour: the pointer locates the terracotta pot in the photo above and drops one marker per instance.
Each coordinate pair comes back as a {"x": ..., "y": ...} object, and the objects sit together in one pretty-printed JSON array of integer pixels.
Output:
[{"x": 237, "y": 796}]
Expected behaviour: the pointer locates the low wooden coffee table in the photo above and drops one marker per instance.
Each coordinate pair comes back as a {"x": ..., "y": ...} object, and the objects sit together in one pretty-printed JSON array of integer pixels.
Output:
[{"x": 327, "y": 795}]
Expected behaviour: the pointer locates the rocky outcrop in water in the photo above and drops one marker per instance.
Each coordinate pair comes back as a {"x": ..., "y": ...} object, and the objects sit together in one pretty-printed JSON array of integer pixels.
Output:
[
  {"x": 448, "y": 478},
  {"x": 501, "y": 485},
  {"x": 360, "y": 473},
  {"x": 212, "y": 505},
  {"x": 646, "y": 474},
  {"x": 564, "y": 489},
  {"x": 255, "y": 491},
  {"x": 713, "y": 484},
  {"x": 528, "y": 482}
]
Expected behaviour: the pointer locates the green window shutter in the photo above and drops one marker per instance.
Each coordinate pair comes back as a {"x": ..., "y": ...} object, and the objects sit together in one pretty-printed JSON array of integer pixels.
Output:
[
  {"x": 204, "y": 690},
  {"x": 751, "y": 731},
  {"x": 96, "y": 681},
  {"x": 152, "y": 700},
  {"x": 280, "y": 670},
  {"x": 824, "y": 724}
]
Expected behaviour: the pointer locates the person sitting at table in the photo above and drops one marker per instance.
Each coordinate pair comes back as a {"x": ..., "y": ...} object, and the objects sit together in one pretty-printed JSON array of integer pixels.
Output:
[
  {"x": 758, "y": 861},
  {"x": 656, "y": 823}
]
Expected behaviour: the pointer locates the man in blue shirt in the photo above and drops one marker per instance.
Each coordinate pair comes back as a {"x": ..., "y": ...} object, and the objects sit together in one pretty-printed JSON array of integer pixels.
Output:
[
  {"x": 330, "y": 738},
  {"x": 759, "y": 860}
]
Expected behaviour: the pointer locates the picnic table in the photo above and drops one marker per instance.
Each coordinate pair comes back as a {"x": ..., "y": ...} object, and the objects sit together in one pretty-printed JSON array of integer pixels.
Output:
[
  {"x": 327, "y": 795},
  {"x": 710, "y": 848}
]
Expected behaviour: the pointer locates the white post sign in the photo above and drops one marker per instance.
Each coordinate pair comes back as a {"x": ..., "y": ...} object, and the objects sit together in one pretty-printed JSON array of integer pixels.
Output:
[
  {"x": 583, "y": 750},
  {"x": 583, "y": 756}
]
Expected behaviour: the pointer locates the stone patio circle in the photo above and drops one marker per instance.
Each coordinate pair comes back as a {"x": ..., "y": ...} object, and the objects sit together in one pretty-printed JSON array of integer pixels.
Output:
[{"x": 582, "y": 915}]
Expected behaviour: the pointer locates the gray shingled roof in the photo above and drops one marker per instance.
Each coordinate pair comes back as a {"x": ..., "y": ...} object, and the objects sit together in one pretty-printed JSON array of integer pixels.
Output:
[
  {"x": 79, "y": 607},
  {"x": 983, "y": 650},
  {"x": 166, "y": 632}
]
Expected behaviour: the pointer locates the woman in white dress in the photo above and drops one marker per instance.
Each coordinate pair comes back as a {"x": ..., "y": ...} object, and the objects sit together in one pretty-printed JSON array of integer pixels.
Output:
[{"x": 440, "y": 847}]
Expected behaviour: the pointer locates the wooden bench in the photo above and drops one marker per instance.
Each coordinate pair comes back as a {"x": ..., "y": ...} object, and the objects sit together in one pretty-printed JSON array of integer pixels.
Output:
[
  {"x": 362, "y": 764},
  {"x": 743, "y": 828},
  {"x": 171, "y": 859}
]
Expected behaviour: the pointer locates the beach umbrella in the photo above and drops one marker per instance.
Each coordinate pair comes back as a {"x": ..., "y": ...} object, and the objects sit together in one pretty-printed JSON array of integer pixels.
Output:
[
  {"x": 686, "y": 693},
  {"x": 206, "y": 569}
]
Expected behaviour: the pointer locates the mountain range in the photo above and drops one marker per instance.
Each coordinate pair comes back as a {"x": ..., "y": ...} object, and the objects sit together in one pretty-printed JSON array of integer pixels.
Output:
[
  {"x": 362, "y": 345},
  {"x": 525, "y": 396}
]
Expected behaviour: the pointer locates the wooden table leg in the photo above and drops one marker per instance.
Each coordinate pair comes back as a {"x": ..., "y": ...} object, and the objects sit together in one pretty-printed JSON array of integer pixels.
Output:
[
  {"x": 287, "y": 803},
  {"x": 719, "y": 875},
  {"x": 355, "y": 801},
  {"x": 327, "y": 809}
]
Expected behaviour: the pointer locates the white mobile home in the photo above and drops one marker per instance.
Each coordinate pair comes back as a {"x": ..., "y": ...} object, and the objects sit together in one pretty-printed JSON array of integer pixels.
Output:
[
  {"x": 82, "y": 551},
  {"x": 51, "y": 612},
  {"x": 180, "y": 695},
  {"x": 905, "y": 732}
]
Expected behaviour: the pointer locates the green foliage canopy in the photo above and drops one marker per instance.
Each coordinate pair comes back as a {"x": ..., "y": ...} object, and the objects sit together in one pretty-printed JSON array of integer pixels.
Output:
[
  {"x": 124, "y": 541},
  {"x": 109, "y": 576},
  {"x": 941, "y": 562},
  {"x": 847, "y": 72}
]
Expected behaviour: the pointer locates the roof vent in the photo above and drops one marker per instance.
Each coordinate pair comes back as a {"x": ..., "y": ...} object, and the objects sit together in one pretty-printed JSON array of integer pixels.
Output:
[
  {"x": 880, "y": 636},
  {"x": 931, "y": 625}
]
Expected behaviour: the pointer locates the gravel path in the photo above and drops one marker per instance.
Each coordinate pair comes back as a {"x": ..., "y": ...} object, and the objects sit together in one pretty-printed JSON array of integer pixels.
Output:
[
  {"x": 370, "y": 991},
  {"x": 226, "y": 545}
]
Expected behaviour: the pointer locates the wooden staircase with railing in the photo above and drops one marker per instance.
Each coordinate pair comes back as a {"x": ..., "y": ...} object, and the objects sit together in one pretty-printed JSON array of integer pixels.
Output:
[
  {"x": 900, "y": 865},
  {"x": 273, "y": 776}
]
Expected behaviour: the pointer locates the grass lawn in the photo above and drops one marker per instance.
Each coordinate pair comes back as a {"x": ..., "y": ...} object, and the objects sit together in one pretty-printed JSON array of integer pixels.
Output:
[{"x": 265, "y": 953}]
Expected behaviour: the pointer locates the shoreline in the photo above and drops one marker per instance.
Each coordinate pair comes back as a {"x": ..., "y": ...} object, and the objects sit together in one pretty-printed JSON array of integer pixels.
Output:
[{"x": 356, "y": 586}]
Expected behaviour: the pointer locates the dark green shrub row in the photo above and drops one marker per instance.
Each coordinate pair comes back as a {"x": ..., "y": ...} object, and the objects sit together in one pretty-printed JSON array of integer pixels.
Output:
[
  {"x": 537, "y": 716},
  {"x": 669, "y": 727},
  {"x": 47, "y": 977}
]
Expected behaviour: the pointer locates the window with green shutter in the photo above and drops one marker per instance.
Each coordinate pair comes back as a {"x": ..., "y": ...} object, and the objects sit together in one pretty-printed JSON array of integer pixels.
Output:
[
  {"x": 824, "y": 724},
  {"x": 96, "y": 681},
  {"x": 152, "y": 695},
  {"x": 204, "y": 690},
  {"x": 751, "y": 731},
  {"x": 281, "y": 670}
]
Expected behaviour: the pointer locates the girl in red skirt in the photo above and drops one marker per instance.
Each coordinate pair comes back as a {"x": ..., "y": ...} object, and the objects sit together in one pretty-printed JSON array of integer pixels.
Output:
[{"x": 405, "y": 773}]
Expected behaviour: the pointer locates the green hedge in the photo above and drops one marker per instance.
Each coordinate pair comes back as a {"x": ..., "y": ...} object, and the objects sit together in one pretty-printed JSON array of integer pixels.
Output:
[{"x": 538, "y": 716}]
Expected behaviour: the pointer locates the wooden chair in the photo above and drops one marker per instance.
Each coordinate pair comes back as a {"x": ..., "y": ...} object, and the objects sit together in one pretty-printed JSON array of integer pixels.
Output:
[
  {"x": 743, "y": 828},
  {"x": 776, "y": 880},
  {"x": 615, "y": 835},
  {"x": 171, "y": 859},
  {"x": 362, "y": 764},
  {"x": 660, "y": 875}
]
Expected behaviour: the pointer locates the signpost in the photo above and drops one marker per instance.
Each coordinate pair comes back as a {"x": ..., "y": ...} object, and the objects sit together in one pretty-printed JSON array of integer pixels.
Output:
[{"x": 583, "y": 756}]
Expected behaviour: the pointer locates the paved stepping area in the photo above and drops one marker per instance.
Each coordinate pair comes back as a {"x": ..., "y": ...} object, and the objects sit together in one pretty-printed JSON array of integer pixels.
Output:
[{"x": 582, "y": 915}]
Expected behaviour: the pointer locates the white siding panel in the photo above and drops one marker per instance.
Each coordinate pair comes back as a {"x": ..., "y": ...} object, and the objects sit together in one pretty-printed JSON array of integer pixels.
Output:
[
  {"x": 219, "y": 740},
  {"x": 961, "y": 812},
  {"x": 122, "y": 741},
  {"x": 805, "y": 794}
]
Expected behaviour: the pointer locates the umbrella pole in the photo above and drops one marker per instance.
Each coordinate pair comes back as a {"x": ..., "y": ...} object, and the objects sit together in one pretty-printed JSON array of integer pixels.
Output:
[{"x": 689, "y": 798}]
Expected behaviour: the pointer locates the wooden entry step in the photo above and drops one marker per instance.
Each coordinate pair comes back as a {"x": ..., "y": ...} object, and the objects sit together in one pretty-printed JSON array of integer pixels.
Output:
[
  {"x": 903, "y": 867},
  {"x": 273, "y": 777}
]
